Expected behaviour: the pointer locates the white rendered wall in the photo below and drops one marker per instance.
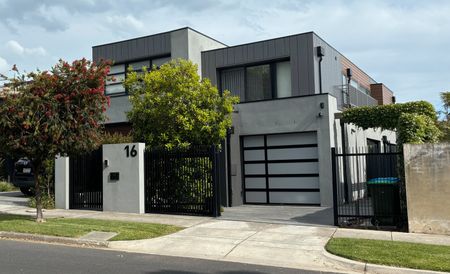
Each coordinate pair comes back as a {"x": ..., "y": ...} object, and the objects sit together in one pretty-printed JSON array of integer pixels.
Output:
[
  {"x": 127, "y": 193},
  {"x": 62, "y": 182}
]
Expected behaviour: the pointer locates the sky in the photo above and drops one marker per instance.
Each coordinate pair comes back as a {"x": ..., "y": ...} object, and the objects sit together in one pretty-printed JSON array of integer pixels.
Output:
[{"x": 404, "y": 44}]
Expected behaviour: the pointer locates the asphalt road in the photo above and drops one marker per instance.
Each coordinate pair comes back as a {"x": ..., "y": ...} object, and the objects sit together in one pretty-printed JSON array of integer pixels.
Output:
[{"x": 36, "y": 258}]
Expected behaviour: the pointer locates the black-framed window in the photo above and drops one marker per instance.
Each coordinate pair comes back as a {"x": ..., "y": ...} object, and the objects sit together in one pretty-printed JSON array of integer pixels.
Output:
[
  {"x": 258, "y": 82},
  {"x": 374, "y": 146},
  {"x": 118, "y": 73}
]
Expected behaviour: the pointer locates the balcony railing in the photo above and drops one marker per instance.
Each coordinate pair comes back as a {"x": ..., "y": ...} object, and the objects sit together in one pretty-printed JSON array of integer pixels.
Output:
[{"x": 353, "y": 97}]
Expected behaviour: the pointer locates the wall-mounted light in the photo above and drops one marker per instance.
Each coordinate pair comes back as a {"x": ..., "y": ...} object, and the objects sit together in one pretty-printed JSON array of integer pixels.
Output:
[
  {"x": 320, "y": 53},
  {"x": 322, "y": 105},
  {"x": 349, "y": 73}
]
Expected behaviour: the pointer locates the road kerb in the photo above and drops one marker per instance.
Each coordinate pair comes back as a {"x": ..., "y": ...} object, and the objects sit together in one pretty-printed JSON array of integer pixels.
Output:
[{"x": 53, "y": 239}]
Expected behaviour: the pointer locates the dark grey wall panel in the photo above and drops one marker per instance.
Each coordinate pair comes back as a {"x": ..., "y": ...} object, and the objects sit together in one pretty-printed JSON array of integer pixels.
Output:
[
  {"x": 298, "y": 48},
  {"x": 143, "y": 47}
]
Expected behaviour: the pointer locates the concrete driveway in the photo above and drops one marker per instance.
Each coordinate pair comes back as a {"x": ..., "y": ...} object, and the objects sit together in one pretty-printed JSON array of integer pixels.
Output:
[
  {"x": 12, "y": 199},
  {"x": 296, "y": 215},
  {"x": 246, "y": 242}
]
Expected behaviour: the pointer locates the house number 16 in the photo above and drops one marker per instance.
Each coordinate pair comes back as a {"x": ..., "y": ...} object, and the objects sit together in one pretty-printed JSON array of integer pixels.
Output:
[{"x": 132, "y": 152}]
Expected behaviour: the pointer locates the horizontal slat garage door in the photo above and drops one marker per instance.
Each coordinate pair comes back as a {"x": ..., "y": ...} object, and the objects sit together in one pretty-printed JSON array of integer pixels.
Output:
[{"x": 281, "y": 169}]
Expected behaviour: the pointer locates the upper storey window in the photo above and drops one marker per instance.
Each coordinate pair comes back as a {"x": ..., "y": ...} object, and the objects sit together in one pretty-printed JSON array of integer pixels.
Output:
[
  {"x": 114, "y": 84},
  {"x": 118, "y": 73},
  {"x": 258, "y": 82}
]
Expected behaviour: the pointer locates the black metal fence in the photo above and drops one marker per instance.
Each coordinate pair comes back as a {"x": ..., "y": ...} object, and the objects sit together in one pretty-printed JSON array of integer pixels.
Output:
[
  {"x": 183, "y": 181},
  {"x": 86, "y": 181},
  {"x": 366, "y": 188}
]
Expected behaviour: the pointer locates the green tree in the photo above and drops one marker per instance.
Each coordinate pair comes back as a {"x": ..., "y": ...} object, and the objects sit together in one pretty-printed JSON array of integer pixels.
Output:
[
  {"x": 172, "y": 107},
  {"x": 444, "y": 123},
  {"x": 46, "y": 113}
]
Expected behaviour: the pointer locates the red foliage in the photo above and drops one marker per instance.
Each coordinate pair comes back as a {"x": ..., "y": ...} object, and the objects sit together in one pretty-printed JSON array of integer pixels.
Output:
[{"x": 58, "y": 111}]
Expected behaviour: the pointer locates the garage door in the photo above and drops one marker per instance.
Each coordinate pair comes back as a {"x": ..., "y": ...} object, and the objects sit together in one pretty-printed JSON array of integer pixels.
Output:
[{"x": 281, "y": 169}]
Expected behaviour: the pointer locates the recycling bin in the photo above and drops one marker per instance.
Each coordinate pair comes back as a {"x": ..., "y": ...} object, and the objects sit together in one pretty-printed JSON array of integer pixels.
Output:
[{"x": 384, "y": 193}]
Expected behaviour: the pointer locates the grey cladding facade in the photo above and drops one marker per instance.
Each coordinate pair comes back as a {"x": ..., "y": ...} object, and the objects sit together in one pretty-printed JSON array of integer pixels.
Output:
[
  {"x": 134, "y": 49},
  {"x": 297, "y": 49}
]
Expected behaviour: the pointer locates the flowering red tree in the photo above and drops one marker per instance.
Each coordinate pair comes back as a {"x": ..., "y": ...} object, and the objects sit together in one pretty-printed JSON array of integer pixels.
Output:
[{"x": 47, "y": 113}]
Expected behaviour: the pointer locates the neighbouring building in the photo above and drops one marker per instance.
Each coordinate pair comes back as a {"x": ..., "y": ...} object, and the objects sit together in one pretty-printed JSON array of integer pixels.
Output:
[{"x": 292, "y": 90}]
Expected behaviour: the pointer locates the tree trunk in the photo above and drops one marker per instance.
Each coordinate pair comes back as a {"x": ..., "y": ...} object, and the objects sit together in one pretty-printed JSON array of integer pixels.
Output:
[{"x": 37, "y": 189}]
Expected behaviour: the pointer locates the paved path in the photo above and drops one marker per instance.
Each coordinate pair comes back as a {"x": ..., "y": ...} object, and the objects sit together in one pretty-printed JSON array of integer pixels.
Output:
[
  {"x": 21, "y": 257},
  {"x": 14, "y": 204}
]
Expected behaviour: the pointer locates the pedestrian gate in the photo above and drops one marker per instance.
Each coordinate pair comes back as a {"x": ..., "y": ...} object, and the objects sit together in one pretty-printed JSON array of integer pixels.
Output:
[
  {"x": 367, "y": 189},
  {"x": 86, "y": 181}
]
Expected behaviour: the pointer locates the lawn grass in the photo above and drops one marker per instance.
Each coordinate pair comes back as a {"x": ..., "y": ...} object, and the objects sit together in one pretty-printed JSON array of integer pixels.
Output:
[
  {"x": 74, "y": 228},
  {"x": 400, "y": 254}
]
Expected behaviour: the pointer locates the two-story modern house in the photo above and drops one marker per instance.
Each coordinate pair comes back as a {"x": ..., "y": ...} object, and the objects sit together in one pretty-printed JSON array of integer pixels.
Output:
[{"x": 292, "y": 90}]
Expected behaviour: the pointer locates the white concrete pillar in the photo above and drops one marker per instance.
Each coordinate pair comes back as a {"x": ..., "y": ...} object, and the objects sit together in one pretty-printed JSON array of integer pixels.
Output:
[
  {"x": 123, "y": 178},
  {"x": 62, "y": 182}
]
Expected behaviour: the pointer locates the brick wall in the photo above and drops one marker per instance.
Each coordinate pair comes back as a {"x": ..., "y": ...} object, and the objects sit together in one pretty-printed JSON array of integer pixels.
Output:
[{"x": 381, "y": 93}]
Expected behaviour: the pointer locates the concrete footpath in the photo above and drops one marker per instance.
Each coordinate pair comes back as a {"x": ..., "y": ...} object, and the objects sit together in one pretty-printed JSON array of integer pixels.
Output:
[{"x": 283, "y": 245}]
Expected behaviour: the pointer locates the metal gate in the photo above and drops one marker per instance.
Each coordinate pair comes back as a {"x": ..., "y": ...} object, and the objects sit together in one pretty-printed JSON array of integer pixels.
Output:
[
  {"x": 182, "y": 181},
  {"x": 367, "y": 188},
  {"x": 86, "y": 181}
]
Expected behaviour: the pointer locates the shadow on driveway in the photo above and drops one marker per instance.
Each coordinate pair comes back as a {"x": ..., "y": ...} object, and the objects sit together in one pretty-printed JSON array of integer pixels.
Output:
[
  {"x": 13, "y": 198},
  {"x": 300, "y": 215}
]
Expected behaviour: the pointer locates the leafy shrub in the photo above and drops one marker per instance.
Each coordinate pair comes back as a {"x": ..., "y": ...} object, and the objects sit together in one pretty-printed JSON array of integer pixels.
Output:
[
  {"x": 47, "y": 177},
  {"x": 415, "y": 122},
  {"x": 116, "y": 138},
  {"x": 48, "y": 201},
  {"x": 5, "y": 187}
]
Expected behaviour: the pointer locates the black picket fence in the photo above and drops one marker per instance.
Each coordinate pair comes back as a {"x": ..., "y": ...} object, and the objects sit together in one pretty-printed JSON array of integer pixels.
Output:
[
  {"x": 366, "y": 188},
  {"x": 86, "y": 181},
  {"x": 183, "y": 181}
]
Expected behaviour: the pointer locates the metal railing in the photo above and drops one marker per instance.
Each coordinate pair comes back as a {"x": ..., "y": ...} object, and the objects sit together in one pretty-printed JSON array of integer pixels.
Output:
[{"x": 354, "y": 97}]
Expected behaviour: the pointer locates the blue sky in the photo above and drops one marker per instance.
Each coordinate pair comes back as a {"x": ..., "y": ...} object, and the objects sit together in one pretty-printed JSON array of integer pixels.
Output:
[{"x": 403, "y": 44}]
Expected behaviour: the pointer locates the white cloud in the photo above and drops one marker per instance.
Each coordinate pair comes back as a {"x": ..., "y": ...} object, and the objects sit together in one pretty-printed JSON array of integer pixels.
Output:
[
  {"x": 125, "y": 23},
  {"x": 4, "y": 66},
  {"x": 18, "y": 49}
]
